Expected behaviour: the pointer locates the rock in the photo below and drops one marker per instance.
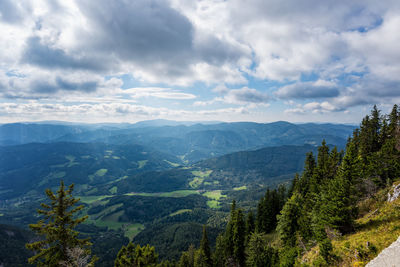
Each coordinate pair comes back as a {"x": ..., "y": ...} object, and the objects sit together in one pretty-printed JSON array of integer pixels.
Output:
[
  {"x": 395, "y": 194},
  {"x": 389, "y": 257}
]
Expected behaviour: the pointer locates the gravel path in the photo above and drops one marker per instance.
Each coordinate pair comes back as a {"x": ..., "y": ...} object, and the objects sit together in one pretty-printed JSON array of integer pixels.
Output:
[{"x": 389, "y": 257}]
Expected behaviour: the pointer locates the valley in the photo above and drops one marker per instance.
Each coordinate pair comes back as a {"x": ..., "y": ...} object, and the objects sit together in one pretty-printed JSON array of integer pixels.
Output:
[{"x": 163, "y": 179}]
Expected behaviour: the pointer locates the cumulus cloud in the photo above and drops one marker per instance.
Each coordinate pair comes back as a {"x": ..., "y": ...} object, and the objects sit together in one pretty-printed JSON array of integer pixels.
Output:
[{"x": 304, "y": 90}]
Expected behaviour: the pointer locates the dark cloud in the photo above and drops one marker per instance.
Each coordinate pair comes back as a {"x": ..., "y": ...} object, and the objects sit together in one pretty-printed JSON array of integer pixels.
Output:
[
  {"x": 74, "y": 86},
  {"x": 247, "y": 95},
  {"x": 216, "y": 51},
  {"x": 146, "y": 31},
  {"x": 60, "y": 84},
  {"x": 10, "y": 11},
  {"x": 44, "y": 56},
  {"x": 308, "y": 90}
]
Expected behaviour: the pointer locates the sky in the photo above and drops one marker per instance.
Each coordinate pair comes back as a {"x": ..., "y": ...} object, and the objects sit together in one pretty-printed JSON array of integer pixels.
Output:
[{"x": 234, "y": 60}]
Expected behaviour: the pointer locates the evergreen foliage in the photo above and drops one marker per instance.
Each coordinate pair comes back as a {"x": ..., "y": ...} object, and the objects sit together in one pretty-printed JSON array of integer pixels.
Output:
[
  {"x": 260, "y": 253},
  {"x": 205, "y": 249},
  {"x": 57, "y": 229},
  {"x": 136, "y": 256}
]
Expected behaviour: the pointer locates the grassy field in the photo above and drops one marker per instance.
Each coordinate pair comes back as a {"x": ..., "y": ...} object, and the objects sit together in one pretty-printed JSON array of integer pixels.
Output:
[
  {"x": 178, "y": 193},
  {"x": 132, "y": 230},
  {"x": 202, "y": 174},
  {"x": 101, "y": 172},
  {"x": 180, "y": 212},
  {"x": 92, "y": 199},
  {"x": 214, "y": 197},
  {"x": 142, "y": 163},
  {"x": 173, "y": 164},
  {"x": 196, "y": 182},
  {"x": 109, "y": 218},
  {"x": 240, "y": 188}
]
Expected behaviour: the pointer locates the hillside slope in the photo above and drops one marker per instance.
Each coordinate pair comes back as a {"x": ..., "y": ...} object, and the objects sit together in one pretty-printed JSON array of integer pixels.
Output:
[{"x": 375, "y": 231}]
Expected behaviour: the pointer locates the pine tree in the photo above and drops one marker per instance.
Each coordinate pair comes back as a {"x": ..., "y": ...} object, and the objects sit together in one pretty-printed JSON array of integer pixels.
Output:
[
  {"x": 188, "y": 257},
  {"x": 260, "y": 253},
  {"x": 394, "y": 118},
  {"x": 228, "y": 237},
  {"x": 288, "y": 221},
  {"x": 238, "y": 238},
  {"x": 205, "y": 249},
  {"x": 57, "y": 228},
  {"x": 250, "y": 224},
  {"x": 219, "y": 258}
]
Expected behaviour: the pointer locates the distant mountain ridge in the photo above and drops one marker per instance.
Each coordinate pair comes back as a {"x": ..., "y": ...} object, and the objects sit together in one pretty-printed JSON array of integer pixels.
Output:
[{"x": 189, "y": 141}]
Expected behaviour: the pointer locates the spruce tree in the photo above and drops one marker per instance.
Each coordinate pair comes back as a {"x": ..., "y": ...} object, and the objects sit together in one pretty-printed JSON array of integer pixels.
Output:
[
  {"x": 260, "y": 253},
  {"x": 238, "y": 238},
  {"x": 219, "y": 258},
  {"x": 205, "y": 248},
  {"x": 288, "y": 223},
  {"x": 57, "y": 228},
  {"x": 250, "y": 224}
]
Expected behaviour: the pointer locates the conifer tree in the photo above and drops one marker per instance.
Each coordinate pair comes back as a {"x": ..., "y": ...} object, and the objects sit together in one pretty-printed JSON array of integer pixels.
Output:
[
  {"x": 250, "y": 224},
  {"x": 260, "y": 253},
  {"x": 205, "y": 249},
  {"x": 219, "y": 253},
  {"x": 228, "y": 237},
  {"x": 136, "y": 256},
  {"x": 188, "y": 257},
  {"x": 288, "y": 221},
  {"x": 238, "y": 237},
  {"x": 394, "y": 117},
  {"x": 57, "y": 228}
]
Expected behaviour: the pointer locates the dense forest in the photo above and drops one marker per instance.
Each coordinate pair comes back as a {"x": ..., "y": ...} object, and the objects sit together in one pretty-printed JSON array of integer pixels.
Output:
[{"x": 300, "y": 224}]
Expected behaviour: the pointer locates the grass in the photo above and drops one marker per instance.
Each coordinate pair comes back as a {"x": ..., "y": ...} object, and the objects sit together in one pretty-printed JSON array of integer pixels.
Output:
[
  {"x": 173, "y": 164},
  {"x": 113, "y": 217},
  {"x": 101, "y": 172},
  {"x": 109, "y": 218},
  {"x": 240, "y": 188},
  {"x": 213, "y": 204},
  {"x": 92, "y": 199},
  {"x": 142, "y": 163},
  {"x": 380, "y": 227},
  {"x": 132, "y": 230},
  {"x": 113, "y": 190},
  {"x": 177, "y": 193},
  {"x": 182, "y": 158},
  {"x": 202, "y": 174},
  {"x": 214, "y": 196},
  {"x": 180, "y": 212},
  {"x": 199, "y": 178},
  {"x": 196, "y": 182}
]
